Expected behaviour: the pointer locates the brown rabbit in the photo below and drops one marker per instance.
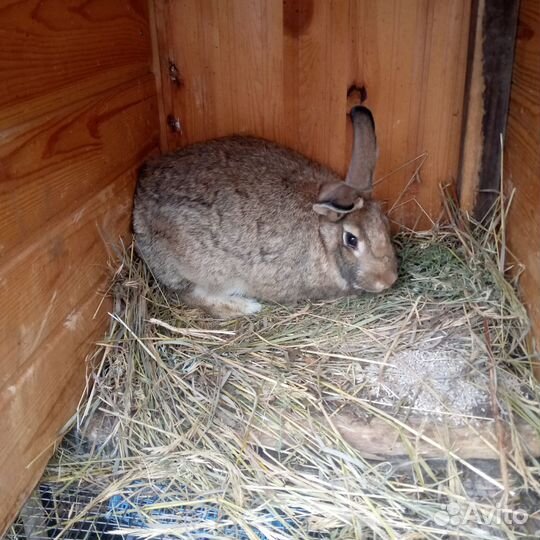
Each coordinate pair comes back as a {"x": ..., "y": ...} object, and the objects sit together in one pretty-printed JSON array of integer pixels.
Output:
[{"x": 238, "y": 218}]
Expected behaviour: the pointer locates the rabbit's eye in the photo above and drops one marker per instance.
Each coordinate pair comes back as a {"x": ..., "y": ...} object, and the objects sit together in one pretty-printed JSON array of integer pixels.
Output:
[{"x": 351, "y": 240}]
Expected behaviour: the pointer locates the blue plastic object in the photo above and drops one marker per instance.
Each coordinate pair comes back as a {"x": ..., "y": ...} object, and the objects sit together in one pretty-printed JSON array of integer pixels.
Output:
[{"x": 124, "y": 509}]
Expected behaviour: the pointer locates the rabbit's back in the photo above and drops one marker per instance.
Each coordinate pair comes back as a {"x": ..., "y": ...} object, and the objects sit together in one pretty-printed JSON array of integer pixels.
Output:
[{"x": 241, "y": 162}]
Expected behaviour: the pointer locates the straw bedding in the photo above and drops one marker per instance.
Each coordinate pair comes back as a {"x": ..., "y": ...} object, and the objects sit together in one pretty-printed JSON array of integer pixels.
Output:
[{"x": 308, "y": 421}]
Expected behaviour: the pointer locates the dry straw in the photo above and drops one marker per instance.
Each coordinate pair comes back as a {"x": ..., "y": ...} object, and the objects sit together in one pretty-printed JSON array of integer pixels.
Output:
[{"x": 206, "y": 428}]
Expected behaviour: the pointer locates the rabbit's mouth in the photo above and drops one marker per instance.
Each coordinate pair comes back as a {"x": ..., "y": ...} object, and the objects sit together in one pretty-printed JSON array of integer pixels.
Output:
[
  {"x": 369, "y": 288},
  {"x": 377, "y": 285}
]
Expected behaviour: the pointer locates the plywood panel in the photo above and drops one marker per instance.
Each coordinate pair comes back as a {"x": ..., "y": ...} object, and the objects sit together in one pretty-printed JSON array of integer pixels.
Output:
[
  {"x": 522, "y": 158},
  {"x": 78, "y": 114},
  {"x": 281, "y": 70}
]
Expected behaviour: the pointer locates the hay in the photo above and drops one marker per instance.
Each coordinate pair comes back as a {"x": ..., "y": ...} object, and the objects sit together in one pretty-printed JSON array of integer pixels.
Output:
[{"x": 212, "y": 429}]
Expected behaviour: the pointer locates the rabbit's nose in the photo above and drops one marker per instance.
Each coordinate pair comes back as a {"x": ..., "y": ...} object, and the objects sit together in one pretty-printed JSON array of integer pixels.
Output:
[{"x": 385, "y": 281}]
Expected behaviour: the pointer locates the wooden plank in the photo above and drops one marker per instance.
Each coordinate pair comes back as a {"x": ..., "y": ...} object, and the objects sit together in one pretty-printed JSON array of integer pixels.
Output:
[
  {"x": 56, "y": 164},
  {"x": 441, "y": 108},
  {"x": 323, "y": 79},
  {"x": 15, "y": 118},
  {"x": 491, "y": 75},
  {"x": 162, "y": 64},
  {"x": 40, "y": 394},
  {"x": 471, "y": 144},
  {"x": 249, "y": 92},
  {"x": 77, "y": 276},
  {"x": 376, "y": 438},
  {"x": 282, "y": 70},
  {"x": 296, "y": 16},
  {"x": 522, "y": 160},
  {"x": 66, "y": 263},
  {"x": 500, "y": 23},
  {"x": 78, "y": 113},
  {"x": 48, "y": 49},
  {"x": 216, "y": 97},
  {"x": 39, "y": 403}
]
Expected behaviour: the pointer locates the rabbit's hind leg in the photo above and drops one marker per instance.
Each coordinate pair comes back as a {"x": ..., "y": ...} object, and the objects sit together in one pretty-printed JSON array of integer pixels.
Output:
[{"x": 221, "y": 306}]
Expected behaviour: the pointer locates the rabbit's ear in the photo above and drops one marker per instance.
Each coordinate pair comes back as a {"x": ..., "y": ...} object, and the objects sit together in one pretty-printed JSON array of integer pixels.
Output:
[
  {"x": 337, "y": 200},
  {"x": 364, "y": 152}
]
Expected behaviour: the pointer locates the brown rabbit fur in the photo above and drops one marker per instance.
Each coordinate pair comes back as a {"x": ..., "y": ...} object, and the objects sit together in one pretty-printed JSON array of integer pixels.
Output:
[{"x": 238, "y": 218}]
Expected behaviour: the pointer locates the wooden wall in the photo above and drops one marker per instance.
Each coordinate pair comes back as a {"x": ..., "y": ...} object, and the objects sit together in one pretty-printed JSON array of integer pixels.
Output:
[
  {"x": 281, "y": 70},
  {"x": 78, "y": 113},
  {"x": 522, "y": 158}
]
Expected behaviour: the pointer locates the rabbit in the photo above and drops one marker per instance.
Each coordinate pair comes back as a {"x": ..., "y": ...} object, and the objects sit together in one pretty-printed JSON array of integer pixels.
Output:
[{"x": 237, "y": 220}]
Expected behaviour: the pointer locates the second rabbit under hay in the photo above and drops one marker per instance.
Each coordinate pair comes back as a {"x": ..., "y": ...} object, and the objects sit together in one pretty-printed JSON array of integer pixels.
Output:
[{"x": 323, "y": 418}]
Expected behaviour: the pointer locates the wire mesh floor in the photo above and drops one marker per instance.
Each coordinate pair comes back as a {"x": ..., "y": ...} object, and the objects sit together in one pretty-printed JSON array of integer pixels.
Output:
[
  {"x": 47, "y": 511},
  {"x": 56, "y": 512}
]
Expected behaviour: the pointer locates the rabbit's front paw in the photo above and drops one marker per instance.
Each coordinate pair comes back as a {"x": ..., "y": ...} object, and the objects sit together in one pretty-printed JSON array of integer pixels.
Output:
[{"x": 249, "y": 306}]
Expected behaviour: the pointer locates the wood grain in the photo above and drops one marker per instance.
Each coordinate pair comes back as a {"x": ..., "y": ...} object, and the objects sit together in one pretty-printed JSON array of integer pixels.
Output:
[
  {"x": 38, "y": 404},
  {"x": 51, "y": 51},
  {"x": 281, "y": 70},
  {"x": 41, "y": 394},
  {"x": 70, "y": 156},
  {"x": 68, "y": 261},
  {"x": 522, "y": 160},
  {"x": 161, "y": 56},
  {"x": 472, "y": 143},
  {"x": 378, "y": 439},
  {"x": 78, "y": 114}
]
